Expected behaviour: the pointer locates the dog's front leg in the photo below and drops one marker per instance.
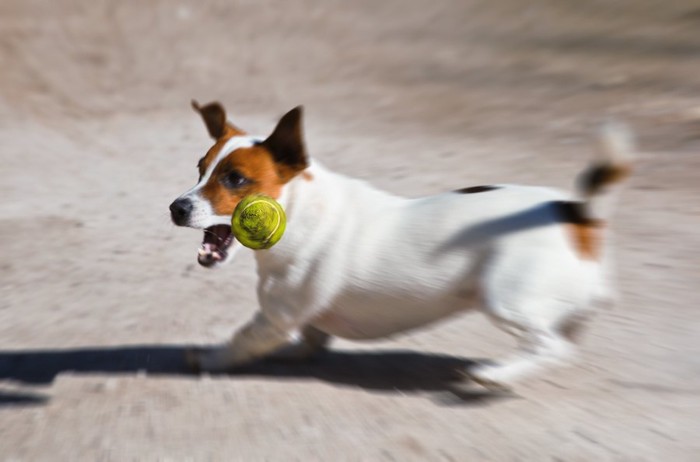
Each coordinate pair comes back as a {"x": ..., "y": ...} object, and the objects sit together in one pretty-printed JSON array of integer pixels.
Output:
[
  {"x": 257, "y": 339},
  {"x": 311, "y": 342}
]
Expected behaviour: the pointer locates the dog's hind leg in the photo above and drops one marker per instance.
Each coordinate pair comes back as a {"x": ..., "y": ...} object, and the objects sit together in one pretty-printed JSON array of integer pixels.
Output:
[
  {"x": 540, "y": 296},
  {"x": 537, "y": 349},
  {"x": 310, "y": 343}
]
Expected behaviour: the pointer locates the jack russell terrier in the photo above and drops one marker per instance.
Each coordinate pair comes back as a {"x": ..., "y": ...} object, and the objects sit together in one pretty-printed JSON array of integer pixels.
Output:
[{"x": 360, "y": 263}]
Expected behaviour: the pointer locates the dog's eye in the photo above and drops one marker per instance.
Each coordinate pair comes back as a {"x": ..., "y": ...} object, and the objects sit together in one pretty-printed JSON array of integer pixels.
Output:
[{"x": 235, "y": 180}]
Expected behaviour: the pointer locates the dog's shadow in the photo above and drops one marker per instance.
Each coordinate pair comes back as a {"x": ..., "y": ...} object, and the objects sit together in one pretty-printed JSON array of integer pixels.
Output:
[{"x": 399, "y": 372}]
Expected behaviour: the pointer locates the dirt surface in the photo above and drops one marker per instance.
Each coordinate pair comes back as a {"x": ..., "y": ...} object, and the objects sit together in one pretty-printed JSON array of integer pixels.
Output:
[{"x": 100, "y": 294}]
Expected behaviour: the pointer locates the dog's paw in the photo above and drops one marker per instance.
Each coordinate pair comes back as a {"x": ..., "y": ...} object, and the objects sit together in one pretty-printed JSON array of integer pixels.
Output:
[
  {"x": 487, "y": 376},
  {"x": 296, "y": 353}
]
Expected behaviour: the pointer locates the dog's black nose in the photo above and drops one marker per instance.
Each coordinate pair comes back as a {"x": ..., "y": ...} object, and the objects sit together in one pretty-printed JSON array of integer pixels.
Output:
[{"x": 180, "y": 211}]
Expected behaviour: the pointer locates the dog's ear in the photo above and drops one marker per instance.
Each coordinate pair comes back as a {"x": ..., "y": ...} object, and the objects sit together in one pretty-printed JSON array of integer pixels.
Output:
[
  {"x": 214, "y": 116},
  {"x": 286, "y": 143}
]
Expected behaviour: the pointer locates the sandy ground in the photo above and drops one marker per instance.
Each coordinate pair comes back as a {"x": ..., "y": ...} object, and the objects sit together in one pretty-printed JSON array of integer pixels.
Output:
[{"x": 100, "y": 294}]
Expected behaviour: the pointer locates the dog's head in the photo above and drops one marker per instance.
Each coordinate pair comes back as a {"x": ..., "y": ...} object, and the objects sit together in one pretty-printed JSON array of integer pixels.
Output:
[{"x": 236, "y": 165}]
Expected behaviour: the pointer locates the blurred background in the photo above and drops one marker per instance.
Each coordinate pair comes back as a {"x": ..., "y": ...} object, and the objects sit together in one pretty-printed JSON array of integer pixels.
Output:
[{"x": 99, "y": 293}]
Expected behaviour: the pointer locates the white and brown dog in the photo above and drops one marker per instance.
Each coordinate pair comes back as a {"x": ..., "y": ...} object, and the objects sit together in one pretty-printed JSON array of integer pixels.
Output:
[{"x": 360, "y": 263}]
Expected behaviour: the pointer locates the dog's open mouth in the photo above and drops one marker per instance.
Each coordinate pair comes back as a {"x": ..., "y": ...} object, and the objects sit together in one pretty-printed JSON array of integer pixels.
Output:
[{"x": 217, "y": 240}]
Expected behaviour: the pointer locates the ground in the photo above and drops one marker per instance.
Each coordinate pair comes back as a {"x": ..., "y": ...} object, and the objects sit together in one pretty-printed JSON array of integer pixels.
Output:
[{"x": 100, "y": 294}]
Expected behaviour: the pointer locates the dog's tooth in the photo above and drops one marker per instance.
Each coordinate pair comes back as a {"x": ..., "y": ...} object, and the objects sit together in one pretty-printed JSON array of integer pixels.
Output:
[{"x": 201, "y": 252}]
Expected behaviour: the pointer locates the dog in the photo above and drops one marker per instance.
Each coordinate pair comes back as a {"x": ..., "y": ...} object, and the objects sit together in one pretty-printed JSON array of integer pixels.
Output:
[{"x": 360, "y": 263}]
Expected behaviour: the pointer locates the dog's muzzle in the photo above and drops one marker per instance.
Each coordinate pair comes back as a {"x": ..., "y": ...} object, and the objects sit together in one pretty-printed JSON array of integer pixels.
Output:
[{"x": 217, "y": 238}]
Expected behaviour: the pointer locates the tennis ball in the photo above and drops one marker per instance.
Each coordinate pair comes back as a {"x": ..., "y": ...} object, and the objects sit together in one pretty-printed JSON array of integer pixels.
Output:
[{"x": 258, "y": 222}]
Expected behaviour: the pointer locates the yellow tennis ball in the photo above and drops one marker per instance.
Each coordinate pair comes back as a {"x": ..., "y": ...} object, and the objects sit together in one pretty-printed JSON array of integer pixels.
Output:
[{"x": 258, "y": 222}]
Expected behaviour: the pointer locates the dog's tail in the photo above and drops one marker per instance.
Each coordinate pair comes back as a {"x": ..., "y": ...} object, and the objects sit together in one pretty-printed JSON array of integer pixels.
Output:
[{"x": 598, "y": 185}]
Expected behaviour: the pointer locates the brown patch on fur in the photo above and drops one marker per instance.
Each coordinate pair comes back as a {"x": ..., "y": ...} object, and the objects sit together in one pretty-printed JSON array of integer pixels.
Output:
[
  {"x": 587, "y": 240},
  {"x": 585, "y": 233},
  {"x": 257, "y": 165},
  {"x": 307, "y": 176},
  {"x": 266, "y": 166},
  {"x": 598, "y": 176},
  {"x": 477, "y": 189},
  {"x": 287, "y": 172}
]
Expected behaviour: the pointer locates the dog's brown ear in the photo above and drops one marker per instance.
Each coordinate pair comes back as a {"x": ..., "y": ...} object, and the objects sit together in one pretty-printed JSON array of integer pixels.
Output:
[
  {"x": 286, "y": 143},
  {"x": 214, "y": 116}
]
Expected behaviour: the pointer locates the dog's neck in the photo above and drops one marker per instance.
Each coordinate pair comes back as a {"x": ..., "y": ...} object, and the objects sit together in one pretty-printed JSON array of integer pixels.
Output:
[{"x": 316, "y": 203}]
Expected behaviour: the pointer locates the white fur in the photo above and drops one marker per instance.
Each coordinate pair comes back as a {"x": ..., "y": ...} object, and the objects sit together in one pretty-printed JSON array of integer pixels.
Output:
[{"x": 359, "y": 263}]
